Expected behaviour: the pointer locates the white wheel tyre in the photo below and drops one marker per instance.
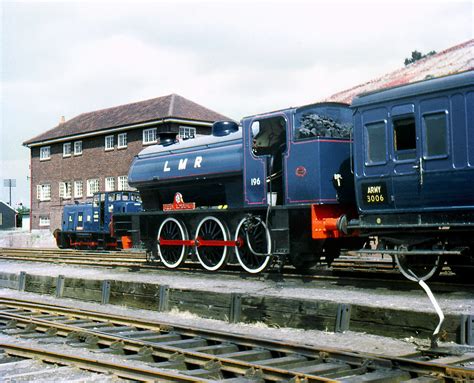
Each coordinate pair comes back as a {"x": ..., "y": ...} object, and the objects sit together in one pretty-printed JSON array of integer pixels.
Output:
[
  {"x": 212, "y": 257},
  {"x": 172, "y": 229},
  {"x": 262, "y": 243}
]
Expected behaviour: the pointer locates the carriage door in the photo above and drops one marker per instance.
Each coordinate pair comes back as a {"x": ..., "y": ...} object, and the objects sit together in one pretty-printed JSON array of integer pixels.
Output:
[
  {"x": 439, "y": 184},
  {"x": 374, "y": 167},
  {"x": 407, "y": 159},
  {"x": 264, "y": 145}
]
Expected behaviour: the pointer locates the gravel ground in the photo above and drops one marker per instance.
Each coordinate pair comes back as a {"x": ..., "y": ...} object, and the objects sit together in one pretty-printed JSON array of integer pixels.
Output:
[
  {"x": 415, "y": 300},
  {"x": 349, "y": 341}
]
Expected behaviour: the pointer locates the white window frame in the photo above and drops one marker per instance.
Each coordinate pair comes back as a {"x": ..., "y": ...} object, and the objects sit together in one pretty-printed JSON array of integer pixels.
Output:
[
  {"x": 77, "y": 148},
  {"x": 65, "y": 190},
  {"x": 122, "y": 140},
  {"x": 123, "y": 183},
  {"x": 109, "y": 184},
  {"x": 93, "y": 186},
  {"x": 78, "y": 189},
  {"x": 43, "y": 192},
  {"x": 185, "y": 132},
  {"x": 45, "y": 153},
  {"x": 150, "y": 136},
  {"x": 44, "y": 221},
  {"x": 109, "y": 142},
  {"x": 67, "y": 153}
]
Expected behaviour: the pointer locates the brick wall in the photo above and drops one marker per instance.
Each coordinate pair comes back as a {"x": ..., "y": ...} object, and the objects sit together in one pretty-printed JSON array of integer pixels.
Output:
[{"x": 94, "y": 162}]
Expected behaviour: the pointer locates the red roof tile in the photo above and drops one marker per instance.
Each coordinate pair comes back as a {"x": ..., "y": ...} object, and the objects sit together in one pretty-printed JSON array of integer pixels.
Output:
[
  {"x": 459, "y": 58},
  {"x": 171, "y": 106}
]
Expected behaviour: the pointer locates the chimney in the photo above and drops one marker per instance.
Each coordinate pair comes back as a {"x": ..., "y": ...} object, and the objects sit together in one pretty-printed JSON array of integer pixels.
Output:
[{"x": 62, "y": 120}]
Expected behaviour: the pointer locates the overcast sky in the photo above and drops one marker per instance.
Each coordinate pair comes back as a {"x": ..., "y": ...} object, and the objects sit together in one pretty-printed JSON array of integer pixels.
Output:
[{"x": 235, "y": 57}]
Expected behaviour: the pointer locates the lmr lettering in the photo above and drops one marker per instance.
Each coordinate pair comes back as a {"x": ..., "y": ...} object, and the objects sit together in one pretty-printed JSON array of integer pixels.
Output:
[
  {"x": 373, "y": 189},
  {"x": 183, "y": 162}
]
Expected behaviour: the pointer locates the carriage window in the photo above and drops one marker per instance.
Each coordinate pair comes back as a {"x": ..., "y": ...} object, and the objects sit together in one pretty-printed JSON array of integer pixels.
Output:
[
  {"x": 404, "y": 138},
  {"x": 436, "y": 135},
  {"x": 376, "y": 143}
]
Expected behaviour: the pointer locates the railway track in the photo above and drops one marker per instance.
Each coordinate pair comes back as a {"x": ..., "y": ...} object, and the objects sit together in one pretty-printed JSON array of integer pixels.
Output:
[
  {"x": 191, "y": 354},
  {"x": 25, "y": 364},
  {"x": 362, "y": 271},
  {"x": 138, "y": 259}
]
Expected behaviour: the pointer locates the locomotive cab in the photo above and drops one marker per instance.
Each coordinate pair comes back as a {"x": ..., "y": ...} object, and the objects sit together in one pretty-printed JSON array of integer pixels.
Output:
[{"x": 299, "y": 154}]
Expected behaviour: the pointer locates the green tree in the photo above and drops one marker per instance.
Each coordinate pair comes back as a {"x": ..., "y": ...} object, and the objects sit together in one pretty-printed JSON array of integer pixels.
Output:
[{"x": 415, "y": 56}]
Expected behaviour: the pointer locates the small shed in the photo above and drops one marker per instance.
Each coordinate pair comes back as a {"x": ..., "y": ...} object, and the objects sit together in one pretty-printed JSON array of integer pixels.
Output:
[{"x": 7, "y": 216}]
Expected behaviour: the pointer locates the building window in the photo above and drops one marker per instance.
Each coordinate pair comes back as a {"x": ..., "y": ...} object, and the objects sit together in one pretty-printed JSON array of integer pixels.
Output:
[
  {"x": 109, "y": 143},
  {"x": 77, "y": 148},
  {"x": 65, "y": 190},
  {"x": 43, "y": 192},
  {"x": 78, "y": 189},
  {"x": 109, "y": 184},
  {"x": 149, "y": 136},
  {"x": 92, "y": 187},
  {"x": 123, "y": 183},
  {"x": 187, "y": 132},
  {"x": 67, "y": 149},
  {"x": 122, "y": 141},
  {"x": 44, "y": 221},
  {"x": 45, "y": 153}
]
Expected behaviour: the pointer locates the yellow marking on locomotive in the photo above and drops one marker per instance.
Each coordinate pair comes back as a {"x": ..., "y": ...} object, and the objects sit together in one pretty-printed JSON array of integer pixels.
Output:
[{"x": 373, "y": 189}]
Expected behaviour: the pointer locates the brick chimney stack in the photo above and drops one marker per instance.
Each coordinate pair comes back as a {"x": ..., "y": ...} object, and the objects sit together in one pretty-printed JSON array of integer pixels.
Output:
[{"x": 62, "y": 120}]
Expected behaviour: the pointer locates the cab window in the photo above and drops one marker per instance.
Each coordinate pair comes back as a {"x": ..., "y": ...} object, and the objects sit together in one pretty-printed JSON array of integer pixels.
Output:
[
  {"x": 80, "y": 220},
  {"x": 268, "y": 136},
  {"x": 404, "y": 138}
]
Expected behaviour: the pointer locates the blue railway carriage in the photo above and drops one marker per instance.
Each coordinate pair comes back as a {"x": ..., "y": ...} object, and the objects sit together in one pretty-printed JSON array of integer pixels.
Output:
[
  {"x": 277, "y": 187},
  {"x": 90, "y": 225},
  {"x": 414, "y": 172}
]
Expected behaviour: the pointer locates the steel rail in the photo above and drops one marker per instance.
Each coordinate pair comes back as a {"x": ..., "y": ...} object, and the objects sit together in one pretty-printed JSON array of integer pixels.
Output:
[
  {"x": 167, "y": 352},
  {"x": 100, "y": 366},
  {"x": 355, "y": 359}
]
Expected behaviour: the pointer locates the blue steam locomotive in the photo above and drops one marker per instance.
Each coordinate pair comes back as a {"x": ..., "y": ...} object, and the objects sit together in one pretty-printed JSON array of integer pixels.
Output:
[{"x": 299, "y": 185}]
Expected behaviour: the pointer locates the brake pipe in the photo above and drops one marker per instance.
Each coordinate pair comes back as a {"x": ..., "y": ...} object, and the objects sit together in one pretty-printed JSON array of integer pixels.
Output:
[{"x": 435, "y": 304}]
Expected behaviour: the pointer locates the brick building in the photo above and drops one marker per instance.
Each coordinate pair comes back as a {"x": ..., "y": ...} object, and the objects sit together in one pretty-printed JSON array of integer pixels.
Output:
[{"x": 93, "y": 151}]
